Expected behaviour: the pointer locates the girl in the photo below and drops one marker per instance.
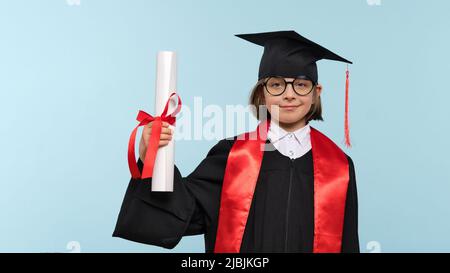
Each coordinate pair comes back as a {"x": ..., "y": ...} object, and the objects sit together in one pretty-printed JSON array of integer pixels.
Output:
[{"x": 297, "y": 194}]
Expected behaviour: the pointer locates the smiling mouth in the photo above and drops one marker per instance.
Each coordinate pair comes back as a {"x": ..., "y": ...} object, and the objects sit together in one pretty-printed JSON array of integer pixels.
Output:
[{"x": 289, "y": 106}]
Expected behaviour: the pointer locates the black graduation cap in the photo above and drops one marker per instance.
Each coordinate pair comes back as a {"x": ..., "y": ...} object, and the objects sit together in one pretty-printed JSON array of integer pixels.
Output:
[{"x": 288, "y": 54}]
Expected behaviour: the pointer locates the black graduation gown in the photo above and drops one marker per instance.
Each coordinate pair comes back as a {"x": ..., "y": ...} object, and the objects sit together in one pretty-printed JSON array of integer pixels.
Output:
[{"x": 281, "y": 217}]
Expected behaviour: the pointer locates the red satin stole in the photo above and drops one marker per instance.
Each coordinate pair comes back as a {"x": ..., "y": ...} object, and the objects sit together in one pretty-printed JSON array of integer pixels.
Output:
[{"x": 331, "y": 176}]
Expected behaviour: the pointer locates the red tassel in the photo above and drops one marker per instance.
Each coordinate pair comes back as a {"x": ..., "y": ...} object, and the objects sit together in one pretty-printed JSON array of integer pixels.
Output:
[{"x": 346, "y": 127}]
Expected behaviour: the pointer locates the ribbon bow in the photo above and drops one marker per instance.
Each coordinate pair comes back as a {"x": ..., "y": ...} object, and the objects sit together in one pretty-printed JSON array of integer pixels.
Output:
[{"x": 152, "y": 146}]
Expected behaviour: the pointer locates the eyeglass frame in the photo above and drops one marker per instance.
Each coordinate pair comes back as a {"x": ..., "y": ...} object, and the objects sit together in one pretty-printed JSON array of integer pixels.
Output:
[{"x": 291, "y": 83}]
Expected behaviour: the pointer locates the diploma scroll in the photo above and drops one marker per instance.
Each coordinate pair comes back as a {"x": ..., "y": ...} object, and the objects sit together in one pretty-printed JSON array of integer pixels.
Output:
[{"x": 166, "y": 75}]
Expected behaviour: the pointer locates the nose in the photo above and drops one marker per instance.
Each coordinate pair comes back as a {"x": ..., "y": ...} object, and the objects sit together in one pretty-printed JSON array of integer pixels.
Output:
[{"x": 289, "y": 93}]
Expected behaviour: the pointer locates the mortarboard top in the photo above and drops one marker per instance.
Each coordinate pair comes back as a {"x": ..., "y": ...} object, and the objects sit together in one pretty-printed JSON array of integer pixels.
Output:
[{"x": 288, "y": 54}]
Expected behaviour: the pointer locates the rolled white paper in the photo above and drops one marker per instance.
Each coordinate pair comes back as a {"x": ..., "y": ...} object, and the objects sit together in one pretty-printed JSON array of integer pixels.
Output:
[{"x": 166, "y": 76}]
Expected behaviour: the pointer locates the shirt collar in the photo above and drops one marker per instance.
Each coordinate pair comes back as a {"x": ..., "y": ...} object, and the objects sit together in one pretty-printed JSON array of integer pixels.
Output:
[{"x": 276, "y": 133}]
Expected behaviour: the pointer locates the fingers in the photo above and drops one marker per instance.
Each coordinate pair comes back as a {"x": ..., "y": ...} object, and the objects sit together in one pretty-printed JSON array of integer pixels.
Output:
[
  {"x": 164, "y": 124},
  {"x": 163, "y": 143},
  {"x": 164, "y": 129},
  {"x": 165, "y": 137}
]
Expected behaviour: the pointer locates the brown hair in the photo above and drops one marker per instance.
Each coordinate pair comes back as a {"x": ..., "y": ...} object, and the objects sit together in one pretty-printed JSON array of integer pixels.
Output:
[{"x": 257, "y": 100}]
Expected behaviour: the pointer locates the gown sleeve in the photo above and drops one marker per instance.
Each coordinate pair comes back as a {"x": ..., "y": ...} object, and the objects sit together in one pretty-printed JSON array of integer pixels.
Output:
[
  {"x": 350, "y": 238},
  {"x": 163, "y": 218}
]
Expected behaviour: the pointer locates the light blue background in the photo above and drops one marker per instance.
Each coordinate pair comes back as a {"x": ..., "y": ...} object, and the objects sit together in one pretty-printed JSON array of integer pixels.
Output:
[{"x": 72, "y": 78}]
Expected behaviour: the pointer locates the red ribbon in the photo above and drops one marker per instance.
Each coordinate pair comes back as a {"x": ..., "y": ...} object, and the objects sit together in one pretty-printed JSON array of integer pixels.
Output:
[{"x": 153, "y": 145}]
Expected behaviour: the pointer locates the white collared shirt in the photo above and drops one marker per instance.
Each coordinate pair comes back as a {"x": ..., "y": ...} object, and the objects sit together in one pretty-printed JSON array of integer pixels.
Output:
[{"x": 291, "y": 144}]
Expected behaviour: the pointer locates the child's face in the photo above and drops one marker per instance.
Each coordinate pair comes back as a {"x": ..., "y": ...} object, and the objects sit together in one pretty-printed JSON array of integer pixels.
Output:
[{"x": 278, "y": 105}]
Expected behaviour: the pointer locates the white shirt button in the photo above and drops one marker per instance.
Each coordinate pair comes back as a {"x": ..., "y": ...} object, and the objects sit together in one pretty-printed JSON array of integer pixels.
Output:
[{"x": 290, "y": 144}]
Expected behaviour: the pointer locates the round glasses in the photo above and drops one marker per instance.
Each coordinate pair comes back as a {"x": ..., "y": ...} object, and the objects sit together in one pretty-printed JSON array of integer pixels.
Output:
[{"x": 277, "y": 85}]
